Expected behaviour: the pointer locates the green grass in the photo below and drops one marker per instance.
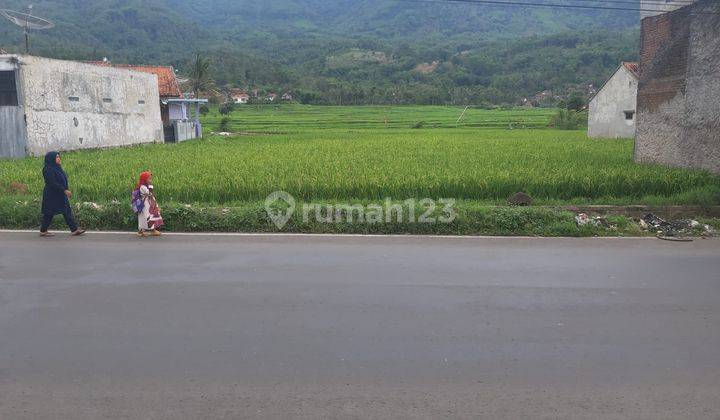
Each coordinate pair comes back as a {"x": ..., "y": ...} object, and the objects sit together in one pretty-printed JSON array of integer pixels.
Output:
[
  {"x": 365, "y": 155},
  {"x": 467, "y": 164},
  {"x": 472, "y": 219}
]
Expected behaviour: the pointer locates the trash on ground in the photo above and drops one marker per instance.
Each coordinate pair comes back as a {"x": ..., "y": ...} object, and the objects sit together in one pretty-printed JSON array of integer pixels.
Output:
[
  {"x": 653, "y": 222},
  {"x": 680, "y": 227},
  {"x": 583, "y": 219}
]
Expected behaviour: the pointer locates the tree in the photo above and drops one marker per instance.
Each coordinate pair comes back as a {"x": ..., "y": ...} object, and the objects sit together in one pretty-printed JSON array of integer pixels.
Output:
[
  {"x": 200, "y": 75},
  {"x": 575, "y": 103},
  {"x": 227, "y": 108},
  {"x": 569, "y": 120}
]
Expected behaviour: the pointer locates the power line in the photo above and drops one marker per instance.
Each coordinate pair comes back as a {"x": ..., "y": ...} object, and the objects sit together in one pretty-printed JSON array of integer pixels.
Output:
[
  {"x": 550, "y": 5},
  {"x": 650, "y": 2},
  {"x": 524, "y": 3}
]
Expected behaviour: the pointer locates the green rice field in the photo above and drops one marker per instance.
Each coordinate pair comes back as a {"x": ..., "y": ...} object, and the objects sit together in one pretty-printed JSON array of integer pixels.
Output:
[
  {"x": 293, "y": 118},
  {"x": 350, "y": 153}
]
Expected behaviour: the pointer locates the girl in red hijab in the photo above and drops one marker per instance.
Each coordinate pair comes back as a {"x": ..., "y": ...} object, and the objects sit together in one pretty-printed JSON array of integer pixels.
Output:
[{"x": 149, "y": 218}]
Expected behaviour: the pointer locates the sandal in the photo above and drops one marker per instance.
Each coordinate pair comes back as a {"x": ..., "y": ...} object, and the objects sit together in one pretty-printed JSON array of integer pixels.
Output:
[
  {"x": 77, "y": 232},
  {"x": 141, "y": 233},
  {"x": 47, "y": 234},
  {"x": 155, "y": 232}
]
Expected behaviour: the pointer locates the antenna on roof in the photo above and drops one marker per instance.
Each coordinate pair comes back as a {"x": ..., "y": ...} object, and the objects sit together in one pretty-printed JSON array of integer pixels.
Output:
[{"x": 26, "y": 21}]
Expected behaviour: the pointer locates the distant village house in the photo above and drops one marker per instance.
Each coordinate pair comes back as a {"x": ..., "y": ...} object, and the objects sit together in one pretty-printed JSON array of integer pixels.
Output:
[
  {"x": 239, "y": 96},
  {"x": 612, "y": 109},
  {"x": 287, "y": 96}
]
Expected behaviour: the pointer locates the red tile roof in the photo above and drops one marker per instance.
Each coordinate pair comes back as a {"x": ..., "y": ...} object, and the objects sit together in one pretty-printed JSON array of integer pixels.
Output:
[
  {"x": 632, "y": 67},
  {"x": 167, "y": 82}
]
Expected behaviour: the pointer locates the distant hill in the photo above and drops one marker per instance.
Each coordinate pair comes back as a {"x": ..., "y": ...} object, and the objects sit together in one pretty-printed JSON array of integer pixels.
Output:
[{"x": 357, "y": 50}]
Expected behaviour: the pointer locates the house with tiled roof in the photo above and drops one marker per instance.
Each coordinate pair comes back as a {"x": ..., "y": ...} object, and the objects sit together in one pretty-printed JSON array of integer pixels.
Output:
[
  {"x": 632, "y": 67},
  {"x": 167, "y": 82},
  {"x": 612, "y": 109},
  {"x": 239, "y": 96}
]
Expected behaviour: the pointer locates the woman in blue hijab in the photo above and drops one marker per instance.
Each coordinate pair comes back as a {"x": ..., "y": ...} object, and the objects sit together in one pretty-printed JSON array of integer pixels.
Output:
[{"x": 56, "y": 195}]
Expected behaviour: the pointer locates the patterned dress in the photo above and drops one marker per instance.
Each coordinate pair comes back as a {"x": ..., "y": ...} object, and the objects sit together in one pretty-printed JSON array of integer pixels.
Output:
[{"x": 149, "y": 218}]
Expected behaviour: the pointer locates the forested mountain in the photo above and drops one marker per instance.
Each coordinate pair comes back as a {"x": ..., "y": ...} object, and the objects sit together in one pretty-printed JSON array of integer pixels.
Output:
[{"x": 349, "y": 51}]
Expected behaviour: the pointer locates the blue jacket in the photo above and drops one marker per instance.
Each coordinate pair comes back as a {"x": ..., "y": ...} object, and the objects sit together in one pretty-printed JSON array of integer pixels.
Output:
[{"x": 54, "y": 199}]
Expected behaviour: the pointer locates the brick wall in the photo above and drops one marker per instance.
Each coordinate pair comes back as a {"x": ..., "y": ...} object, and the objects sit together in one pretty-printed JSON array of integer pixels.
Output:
[
  {"x": 678, "y": 101},
  {"x": 664, "y": 49}
]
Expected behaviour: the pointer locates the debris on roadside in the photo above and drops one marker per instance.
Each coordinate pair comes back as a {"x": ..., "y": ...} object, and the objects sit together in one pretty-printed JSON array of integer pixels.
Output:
[
  {"x": 583, "y": 219},
  {"x": 653, "y": 223},
  {"x": 520, "y": 199},
  {"x": 707, "y": 229},
  {"x": 674, "y": 228}
]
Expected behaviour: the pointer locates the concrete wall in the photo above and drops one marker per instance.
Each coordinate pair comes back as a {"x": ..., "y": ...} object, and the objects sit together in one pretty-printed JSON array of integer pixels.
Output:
[
  {"x": 71, "y": 105},
  {"x": 184, "y": 130},
  {"x": 679, "y": 88},
  {"x": 656, "y": 7},
  {"x": 606, "y": 117}
]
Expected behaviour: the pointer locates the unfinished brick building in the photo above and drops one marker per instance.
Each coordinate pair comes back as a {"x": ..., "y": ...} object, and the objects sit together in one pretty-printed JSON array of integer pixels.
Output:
[{"x": 678, "y": 102}]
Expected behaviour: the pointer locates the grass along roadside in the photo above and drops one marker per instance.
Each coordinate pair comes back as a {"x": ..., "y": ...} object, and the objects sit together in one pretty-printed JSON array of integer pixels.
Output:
[{"x": 472, "y": 218}]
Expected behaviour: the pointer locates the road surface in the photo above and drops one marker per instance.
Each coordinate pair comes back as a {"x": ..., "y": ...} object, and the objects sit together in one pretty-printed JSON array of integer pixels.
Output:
[{"x": 214, "y": 327}]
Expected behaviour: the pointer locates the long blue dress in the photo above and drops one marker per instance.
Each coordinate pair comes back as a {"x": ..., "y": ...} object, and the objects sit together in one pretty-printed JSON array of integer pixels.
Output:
[{"x": 56, "y": 183}]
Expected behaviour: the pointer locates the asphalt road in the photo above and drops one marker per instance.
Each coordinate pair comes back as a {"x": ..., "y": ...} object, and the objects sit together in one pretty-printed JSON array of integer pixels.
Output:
[{"x": 213, "y": 327}]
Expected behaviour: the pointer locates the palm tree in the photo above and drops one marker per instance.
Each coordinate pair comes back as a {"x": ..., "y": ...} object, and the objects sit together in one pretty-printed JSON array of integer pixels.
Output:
[{"x": 200, "y": 75}]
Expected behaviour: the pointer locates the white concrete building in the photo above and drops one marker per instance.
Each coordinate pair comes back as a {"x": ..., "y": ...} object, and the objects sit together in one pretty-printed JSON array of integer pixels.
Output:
[
  {"x": 612, "y": 109},
  {"x": 48, "y": 104}
]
